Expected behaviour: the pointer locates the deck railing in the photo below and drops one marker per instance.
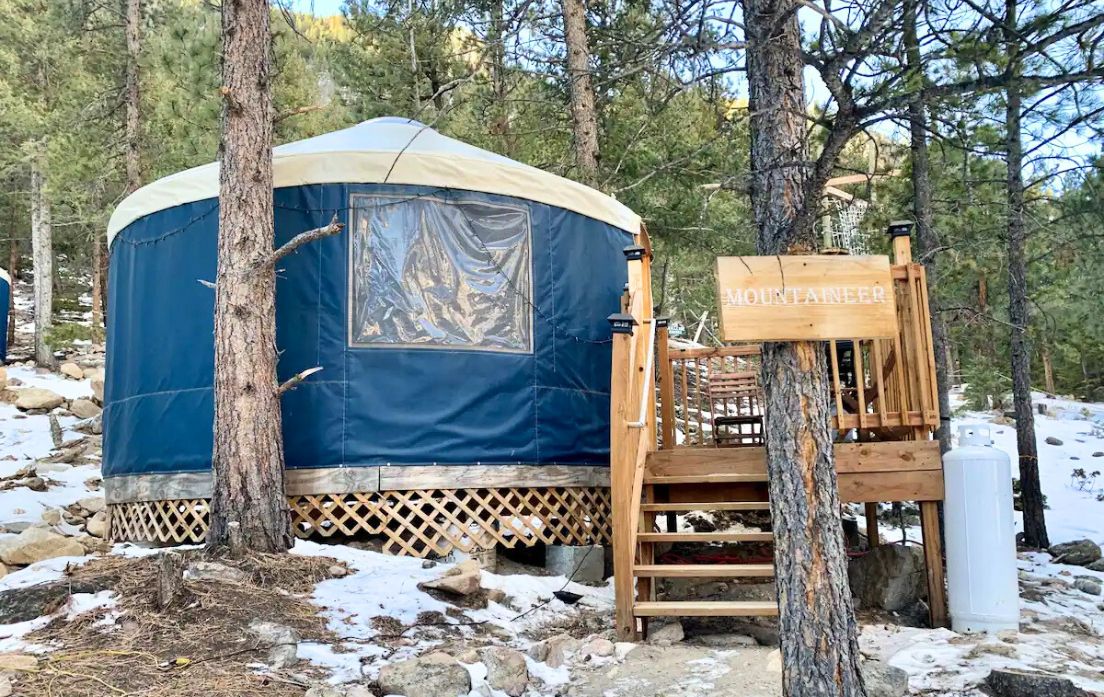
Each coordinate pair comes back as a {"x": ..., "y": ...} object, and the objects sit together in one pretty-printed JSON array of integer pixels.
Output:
[{"x": 882, "y": 385}]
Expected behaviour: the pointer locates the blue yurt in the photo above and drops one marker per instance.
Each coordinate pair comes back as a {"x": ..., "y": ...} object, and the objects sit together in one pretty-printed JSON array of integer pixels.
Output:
[
  {"x": 459, "y": 321},
  {"x": 5, "y": 306}
]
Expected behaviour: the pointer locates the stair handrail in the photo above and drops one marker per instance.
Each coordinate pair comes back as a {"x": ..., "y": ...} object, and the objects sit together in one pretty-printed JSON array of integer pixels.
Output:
[{"x": 630, "y": 396}]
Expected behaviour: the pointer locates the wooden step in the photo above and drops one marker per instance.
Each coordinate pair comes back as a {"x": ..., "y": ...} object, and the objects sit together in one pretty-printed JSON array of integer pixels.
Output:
[
  {"x": 705, "y": 537},
  {"x": 687, "y": 608},
  {"x": 713, "y": 478},
  {"x": 720, "y": 506},
  {"x": 703, "y": 570}
]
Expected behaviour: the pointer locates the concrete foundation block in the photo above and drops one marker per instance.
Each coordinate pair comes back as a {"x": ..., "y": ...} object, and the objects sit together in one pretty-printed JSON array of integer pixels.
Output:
[{"x": 582, "y": 563}]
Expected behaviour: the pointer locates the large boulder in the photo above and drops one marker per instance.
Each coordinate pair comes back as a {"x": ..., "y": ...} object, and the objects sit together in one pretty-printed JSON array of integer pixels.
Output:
[
  {"x": 1077, "y": 553},
  {"x": 36, "y": 544},
  {"x": 84, "y": 408},
  {"x": 462, "y": 579},
  {"x": 96, "y": 526},
  {"x": 281, "y": 641},
  {"x": 1007, "y": 683},
  {"x": 890, "y": 577},
  {"x": 97, "y": 384},
  {"x": 72, "y": 370},
  {"x": 433, "y": 675},
  {"x": 883, "y": 680},
  {"x": 506, "y": 670},
  {"x": 38, "y": 398}
]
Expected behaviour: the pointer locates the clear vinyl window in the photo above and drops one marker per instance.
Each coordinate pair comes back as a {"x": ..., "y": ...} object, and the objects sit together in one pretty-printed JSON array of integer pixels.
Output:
[{"x": 435, "y": 273}]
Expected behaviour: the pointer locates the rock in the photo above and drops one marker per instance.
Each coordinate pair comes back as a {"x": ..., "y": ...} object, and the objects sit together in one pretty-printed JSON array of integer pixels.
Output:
[
  {"x": 96, "y": 526},
  {"x": 622, "y": 649},
  {"x": 506, "y": 670},
  {"x": 433, "y": 675},
  {"x": 883, "y": 680},
  {"x": 1087, "y": 584},
  {"x": 52, "y": 516},
  {"x": 17, "y": 661},
  {"x": 724, "y": 641},
  {"x": 1051, "y": 440},
  {"x": 428, "y": 564},
  {"x": 95, "y": 426},
  {"x": 211, "y": 571},
  {"x": 38, "y": 398},
  {"x": 554, "y": 651},
  {"x": 1097, "y": 565},
  {"x": 462, "y": 579},
  {"x": 36, "y": 544},
  {"x": 1077, "y": 553},
  {"x": 84, "y": 408},
  {"x": 34, "y": 483},
  {"x": 358, "y": 691},
  {"x": 469, "y": 656},
  {"x": 71, "y": 370},
  {"x": 598, "y": 647},
  {"x": 670, "y": 633},
  {"x": 281, "y": 641},
  {"x": 5, "y": 686},
  {"x": 97, "y": 384},
  {"x": 3, "y": 570},
  {"x": 325, "y": 691},
  {"x": 337, "y": 571},
  {"x": 774, "y": 661},
  {"x": 1007, "y": 683},
  {"x": 890, "y": 577},
  {"x": 93, "y": 504}
]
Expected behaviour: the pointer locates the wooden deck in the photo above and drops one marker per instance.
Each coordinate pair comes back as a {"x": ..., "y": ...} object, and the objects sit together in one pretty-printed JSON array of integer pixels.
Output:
[{"x": 665, "y": 435}]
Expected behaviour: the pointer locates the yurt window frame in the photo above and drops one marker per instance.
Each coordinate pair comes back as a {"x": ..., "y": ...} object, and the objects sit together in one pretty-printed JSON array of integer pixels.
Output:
[{"x": 525, "y": 293}]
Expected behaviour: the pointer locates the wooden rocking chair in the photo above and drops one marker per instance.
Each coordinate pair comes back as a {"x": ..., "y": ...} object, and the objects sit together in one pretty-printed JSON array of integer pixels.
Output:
[{"x": 742, "y": 391}]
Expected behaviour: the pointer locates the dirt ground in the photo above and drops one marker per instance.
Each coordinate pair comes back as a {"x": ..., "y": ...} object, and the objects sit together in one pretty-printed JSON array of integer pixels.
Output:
[{"x": 684, "y": 671}]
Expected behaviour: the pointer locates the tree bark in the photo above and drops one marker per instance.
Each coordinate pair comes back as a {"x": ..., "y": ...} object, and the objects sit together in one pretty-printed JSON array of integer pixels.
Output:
[
  {"x": 1019, "y": 313},
  {"x": 927, "y": 237},
  {"x": 13, "y": 273},
  {"x": 249, "y": 509},
  {"x": 42, "y": 252},
  {"x": 820, "y": 651},
  {"x": 133, "y": 101},
  {"x": 500, "y": 110},
  {"x": 584, "y": 114},
  {"x": 1048, "y": 371}
]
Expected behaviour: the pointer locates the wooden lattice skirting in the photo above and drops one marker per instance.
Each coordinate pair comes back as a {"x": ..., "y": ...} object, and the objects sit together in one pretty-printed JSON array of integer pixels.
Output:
[{"x": 423, "y": 522}]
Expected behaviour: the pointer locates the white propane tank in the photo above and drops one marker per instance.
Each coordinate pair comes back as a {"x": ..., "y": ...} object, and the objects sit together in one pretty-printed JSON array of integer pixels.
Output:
[{"x": 981, "y": 535}]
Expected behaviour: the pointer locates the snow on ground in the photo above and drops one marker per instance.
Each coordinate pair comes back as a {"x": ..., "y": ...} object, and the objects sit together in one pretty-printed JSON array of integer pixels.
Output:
[
  {"x": 1062, "y": 629},
  {"x": 383, "y": 586}
]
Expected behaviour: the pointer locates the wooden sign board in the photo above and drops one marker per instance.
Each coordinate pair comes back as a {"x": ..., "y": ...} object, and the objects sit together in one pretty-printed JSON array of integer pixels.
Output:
[{"x": 805, "y": 298}]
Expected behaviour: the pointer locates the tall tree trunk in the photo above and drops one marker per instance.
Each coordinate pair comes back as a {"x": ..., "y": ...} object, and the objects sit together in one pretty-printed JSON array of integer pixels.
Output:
[
  {"x": 13, "y": 273},
  {"x": 820, "y": 651},
  {"x": 132, "y": 154},
  {"x": 249, "y": 509},
  {"x": 1048, "y": 371},
  {"x": 927, "y": 237},
  {"x": 133, "y": 101},
  {"x": 1019, "y": 312},
  {"x": 500, "y": 110},
  {"x": 42, "y": 251},
  {"x": 584, "y": 114}
]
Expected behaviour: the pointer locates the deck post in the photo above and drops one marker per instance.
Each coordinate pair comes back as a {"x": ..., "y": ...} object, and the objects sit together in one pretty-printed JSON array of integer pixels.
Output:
[
  {"x": 621, "y": 476},
  {"x": 873, "y": 537},
  {"x": 933, "y": 562}
]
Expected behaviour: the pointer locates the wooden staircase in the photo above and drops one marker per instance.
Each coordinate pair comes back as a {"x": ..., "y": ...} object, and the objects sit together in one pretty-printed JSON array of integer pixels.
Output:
[{"x": 687, "y": 482}]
